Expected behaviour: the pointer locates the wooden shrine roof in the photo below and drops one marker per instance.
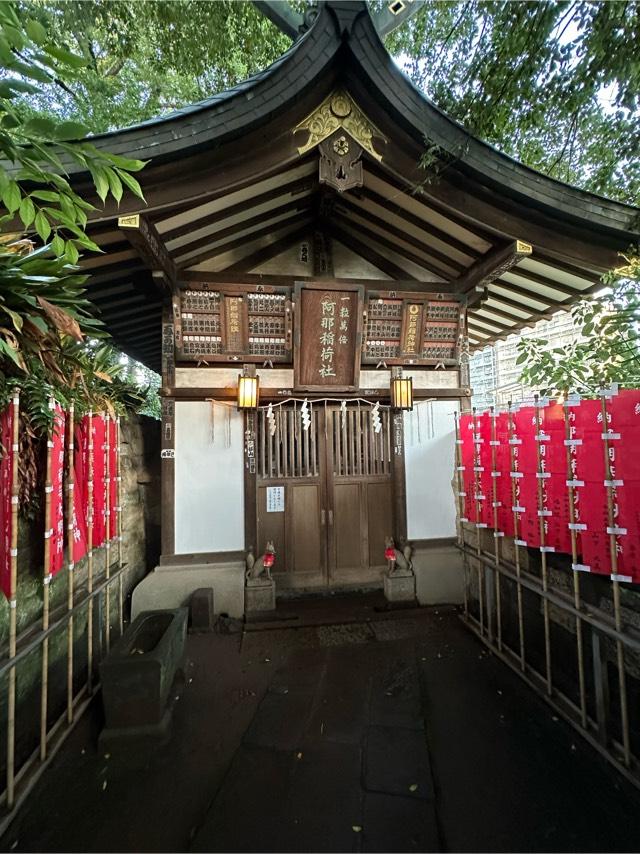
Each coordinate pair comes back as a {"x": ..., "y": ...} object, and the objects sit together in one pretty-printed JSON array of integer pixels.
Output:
[{"x": 227, "y": 190}]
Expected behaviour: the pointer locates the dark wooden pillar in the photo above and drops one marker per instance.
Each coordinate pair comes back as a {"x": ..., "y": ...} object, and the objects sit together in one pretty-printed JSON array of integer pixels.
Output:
[{"x": 398, "y": 479}]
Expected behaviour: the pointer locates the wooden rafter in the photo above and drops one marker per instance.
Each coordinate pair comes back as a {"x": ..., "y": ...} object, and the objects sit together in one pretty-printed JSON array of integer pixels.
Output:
[
  {"x": 383, "y": 264},
  {"x": 261, "y": 256},
  {"x": 144, "y": 237},
  {"x": 490, "y": 267}
]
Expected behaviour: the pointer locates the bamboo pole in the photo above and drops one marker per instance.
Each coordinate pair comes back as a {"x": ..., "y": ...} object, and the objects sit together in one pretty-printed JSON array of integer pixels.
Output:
[
  {"x": 574, "y": 527},
  {"x": 516, "y": 539},
  {"x": 90, "y": 515},
  {"x": 622, "y": 680},
  {"x": 478, "y": 491},
  {"x": 541, "y": 475},
  {"x": 461, "y": 517},
  {"x": 70, "y": 564},
  {"x": 119, "y": 522},
  {"x": 107, "y": 534},
  {"x": 13, "y": 578},
  {"x": 46, "y": 587},
  {"x": 497, "y": 534}
]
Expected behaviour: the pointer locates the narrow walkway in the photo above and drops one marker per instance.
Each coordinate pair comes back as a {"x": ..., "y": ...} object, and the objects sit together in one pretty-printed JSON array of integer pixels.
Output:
[{"x": 382, "y": 732}]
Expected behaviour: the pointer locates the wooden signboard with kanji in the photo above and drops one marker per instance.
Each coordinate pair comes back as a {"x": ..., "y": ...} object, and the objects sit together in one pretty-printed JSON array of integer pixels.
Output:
[{"x": 328, "y": 336}]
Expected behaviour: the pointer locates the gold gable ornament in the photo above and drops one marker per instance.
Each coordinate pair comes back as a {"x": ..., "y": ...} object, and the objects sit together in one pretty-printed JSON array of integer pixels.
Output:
[{"x": 341, "y": 131}]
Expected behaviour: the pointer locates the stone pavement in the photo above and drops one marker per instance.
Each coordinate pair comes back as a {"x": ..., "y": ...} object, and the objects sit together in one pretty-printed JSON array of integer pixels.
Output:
[{"x": 355, "y": 730}]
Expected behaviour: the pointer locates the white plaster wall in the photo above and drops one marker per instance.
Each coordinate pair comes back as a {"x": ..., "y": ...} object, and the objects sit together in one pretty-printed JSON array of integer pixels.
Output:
[
  {"x": 210, "y": 377},
  {"x": 429, "y": 433},
  {"x": 209, "y": 489}
]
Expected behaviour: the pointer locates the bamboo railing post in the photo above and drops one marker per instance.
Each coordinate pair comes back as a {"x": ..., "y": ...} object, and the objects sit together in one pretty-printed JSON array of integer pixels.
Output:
[
  {"x": 70, "y": 564},
  {"x": 516, "y": 528},
  {"x": 622, "y": 679},
  {"x": 119, "y": 522},
  {"x": 496, "y": 532},
  {"x": 13, "y": 605},
  {"x": 478, "y": 491},
  {"x": 541, "y": 474},
  {"x": 46, "y": 587},
  {"x": 107, "y": 534},
  {"x": 90, "y": 515},
  {"x": 461, "y": 517},
  {"x": 574, "y": 527}
]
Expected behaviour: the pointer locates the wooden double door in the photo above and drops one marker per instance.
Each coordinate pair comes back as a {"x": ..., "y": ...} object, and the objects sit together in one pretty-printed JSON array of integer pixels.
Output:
[{"x": 324, "y": 494}]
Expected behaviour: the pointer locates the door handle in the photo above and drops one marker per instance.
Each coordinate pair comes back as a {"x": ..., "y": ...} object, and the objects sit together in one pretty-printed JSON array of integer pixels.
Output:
[
  {"x": 330, "y": 517},
  {"x": 322, "y": 517}
]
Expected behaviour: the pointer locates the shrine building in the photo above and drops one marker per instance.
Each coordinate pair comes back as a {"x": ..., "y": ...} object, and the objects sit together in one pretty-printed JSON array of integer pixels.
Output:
[{"x": 310, "y": 295}]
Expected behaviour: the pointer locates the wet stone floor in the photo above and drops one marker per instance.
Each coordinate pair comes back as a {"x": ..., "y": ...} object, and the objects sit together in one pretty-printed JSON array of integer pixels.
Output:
[{"x": 342, "y": 727}]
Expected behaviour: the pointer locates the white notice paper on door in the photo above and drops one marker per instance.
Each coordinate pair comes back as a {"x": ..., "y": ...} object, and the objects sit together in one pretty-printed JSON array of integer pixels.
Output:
[{"x": 275, "y": 499}]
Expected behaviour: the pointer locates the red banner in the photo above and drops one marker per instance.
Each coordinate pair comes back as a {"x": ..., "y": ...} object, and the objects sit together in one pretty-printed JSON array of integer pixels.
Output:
[
  {"x": 113, "y": 478},
  {"x": 484, "y": 479},
  {"x": 524, "y": 472},
  {"x": 6, "y": 478},
  {"x": 81, "y": 488},
  {"x": 503, "y": 480},
  {"x": 56, "y": 553},
  {"x": 468, "y": 475},
  {"x": 98, "y": 480}
]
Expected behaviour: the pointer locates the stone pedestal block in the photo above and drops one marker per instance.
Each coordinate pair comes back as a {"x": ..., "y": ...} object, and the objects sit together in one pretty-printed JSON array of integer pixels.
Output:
[
  {"x": 400, "y": 588},
  {"x": 259, "y": 595},
  {"x": 201, "y": 610}
]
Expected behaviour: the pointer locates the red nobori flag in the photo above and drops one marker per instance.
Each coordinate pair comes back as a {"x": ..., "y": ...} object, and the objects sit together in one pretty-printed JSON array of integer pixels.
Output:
[
  {"x": 113, "y": 478},
  {"x": 525, "y": 465},
  {"x": 554, "y": 463},
  {"x": 467, "y": 450},
  {"x": 56, "y": 551},
  {"x": 6, "y": 479},
  {"x": 99, "y": 455},
  {"x": 81, "y": 488},
  {"x": 483, "y": 477},
  {"x": 503, "y": 481}
]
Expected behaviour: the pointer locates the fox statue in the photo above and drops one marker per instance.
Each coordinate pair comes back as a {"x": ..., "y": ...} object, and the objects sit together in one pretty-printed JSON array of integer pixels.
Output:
[
  {"x": 255, "y": 568},
  {"x": 402, "y": 564}
]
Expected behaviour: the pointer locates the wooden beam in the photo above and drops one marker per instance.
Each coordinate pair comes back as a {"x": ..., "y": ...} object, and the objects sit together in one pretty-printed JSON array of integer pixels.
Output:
[
  {"x": 293, "y": 188},
  {"x": 146, "y": 240},
  {"x": 383, "y": 264},
  {"x": 260, "y": 256},
  {"x": 418, "y": 260},
  {"x": 394, "y": 231},
  {"x": 490, "y": 267},
  {"x": 233, "y": 230},
  {"x": 282, "y": 15},
  {"x": 229, "y": 393}
]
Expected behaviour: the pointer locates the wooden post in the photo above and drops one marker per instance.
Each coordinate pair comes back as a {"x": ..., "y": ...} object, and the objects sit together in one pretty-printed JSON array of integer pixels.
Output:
[
  {"x": 90, "y": 516},
  {"x": 46, "y": 587},
  {"x": 167, "y": 466},
  {"x": 497, "y": 534},
  {"x": 461, "y": 517},
  {"x": 622, "y": 676},
  {"x": 574, "y": 527},
  {"x": 70, "y": 564},
  {"x": 477, "y": 490},
  {"x": 516, "y": 539},
  {"x": 13, "y": 578},
  {"x": 541, "y": 475}
]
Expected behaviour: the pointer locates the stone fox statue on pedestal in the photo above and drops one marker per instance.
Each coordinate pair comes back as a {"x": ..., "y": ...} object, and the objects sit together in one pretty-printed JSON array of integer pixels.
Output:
[
  {"x": 263, "y": 564},
  {"x": 402, "y": 564}
]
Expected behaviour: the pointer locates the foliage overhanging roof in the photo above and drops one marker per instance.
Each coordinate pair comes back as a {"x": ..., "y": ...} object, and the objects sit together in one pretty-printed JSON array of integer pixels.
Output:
[{"x": 227, "y": 190}]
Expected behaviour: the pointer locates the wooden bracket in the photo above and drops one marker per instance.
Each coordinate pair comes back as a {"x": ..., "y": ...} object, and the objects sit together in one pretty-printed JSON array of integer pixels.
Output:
[
  {"x": 474, "y": 281},
  {"x": 146, "y": 240}
]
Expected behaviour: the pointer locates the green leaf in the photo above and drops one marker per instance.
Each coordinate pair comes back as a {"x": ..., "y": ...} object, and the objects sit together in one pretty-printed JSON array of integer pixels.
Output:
[
  {"x": 15, "y": 317},
  {"x": 45, "y": 195},
  {"x": 39, "y": 126},
  {"x": 42, "y": 226},
  {"x": 11, "y": 197},
  {"x": 27, "y": 211},
  {"x": 131, "y": 183},
  {"x": 58, "y": 245},
  {"x": 65, "y": 56},
  {"x": 115, "y": 185},
  {"x": 101, "y": 181},
  {"x": 36, "y": 31},
  {"x": 71, "y": 252},
  {"x": 71, "y": 130}
]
